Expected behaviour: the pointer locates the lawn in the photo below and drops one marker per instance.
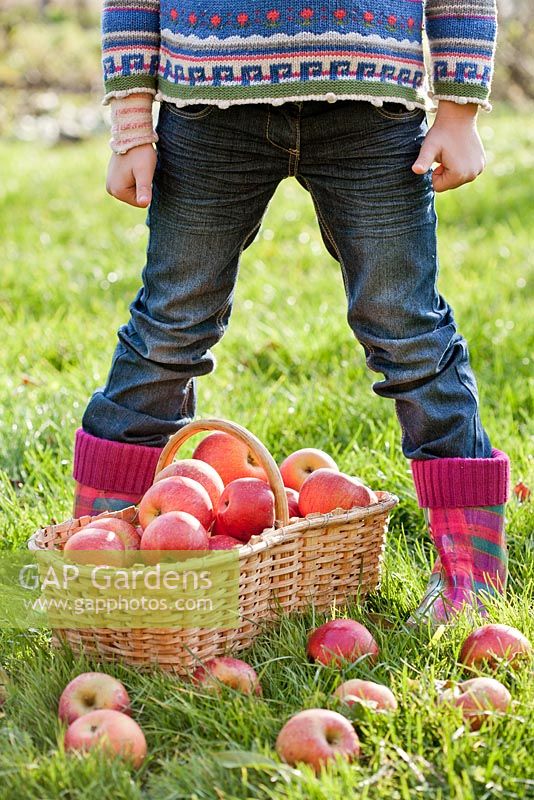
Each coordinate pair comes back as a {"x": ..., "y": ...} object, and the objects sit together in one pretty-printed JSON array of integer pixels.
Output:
[{"x": 289, "y": 370}]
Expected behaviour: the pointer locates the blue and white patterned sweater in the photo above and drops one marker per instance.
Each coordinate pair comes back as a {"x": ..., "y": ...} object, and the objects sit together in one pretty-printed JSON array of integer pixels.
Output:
[{"x": 271, "y": 51}]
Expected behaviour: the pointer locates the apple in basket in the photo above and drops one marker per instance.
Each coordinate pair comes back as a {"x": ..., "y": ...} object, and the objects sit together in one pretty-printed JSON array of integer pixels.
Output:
[
  {"x": 127, "y": 532},
  {"x": 231, "y": 672},
  {"x": 491, "y": 644},
  {"x": 375, "y": 696},
  {"x": 199, "y": 471},
  {"x": 95, "y": 546},
  {"x": 326, "y": 489},
  {"x": 246, "y": 508},
  {"x": 300, "y": 465},
  {"x": 175, "y": 530},
  {"x": 478, "y": 699},
  {"x": 315, "y": 737},
  {"x": 176, "y": 494},
  {"x": 115, "y": 732},
  {"x": 91, "y": 691},
  {"x": 341, "y": 640},
  {"x": 229, "y": 456},
  {"x": 292, "y": 503},
  {"x": 222, "y": 542}
]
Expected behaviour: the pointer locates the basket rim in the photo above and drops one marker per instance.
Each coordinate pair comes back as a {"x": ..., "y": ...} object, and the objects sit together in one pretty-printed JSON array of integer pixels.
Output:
[{"x": 268, "y": 538}]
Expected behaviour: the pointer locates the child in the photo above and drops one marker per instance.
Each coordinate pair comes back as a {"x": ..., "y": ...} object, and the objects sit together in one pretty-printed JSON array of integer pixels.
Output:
[{"x": 331, "y": 93}]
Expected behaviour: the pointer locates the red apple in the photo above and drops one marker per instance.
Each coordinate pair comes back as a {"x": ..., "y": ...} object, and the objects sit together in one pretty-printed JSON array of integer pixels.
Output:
[
  {"x": 246, "y": 508},
  {"x": 316, "y": 736},
  {"x": 326, "y": 490},
  {"x": 91, "y": 691},
  {"x": 176, "y": 494},
  {"x": 199, "y": 471},
  {"x": 300, "y": 465},
  {"x": 376, "y": 695},
  {"x": 491, "y": 644},
  {"x": 95, "y": 546},
  {"x": 231, "y": 671},
  {"x": 292, "y": 502},
  {"x": 341, "y": 640},
  {"x": 131, "y": 539},
  {"x": 114, "y": 731},
  {"x": 221, "y": 542},
  {"x": 478, "y": 699},
  {"x": 175, "y": 530},
  {"x": 230, "y": 457}
]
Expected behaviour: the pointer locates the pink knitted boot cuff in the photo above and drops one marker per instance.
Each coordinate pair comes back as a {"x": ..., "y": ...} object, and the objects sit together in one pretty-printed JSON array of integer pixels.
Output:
[
  {"x": 461, "y": 482},
  {"x": 113, "y": 466}
]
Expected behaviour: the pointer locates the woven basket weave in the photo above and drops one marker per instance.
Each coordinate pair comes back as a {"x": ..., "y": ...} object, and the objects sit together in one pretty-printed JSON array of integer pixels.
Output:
[{"x": 323, "y": 559}]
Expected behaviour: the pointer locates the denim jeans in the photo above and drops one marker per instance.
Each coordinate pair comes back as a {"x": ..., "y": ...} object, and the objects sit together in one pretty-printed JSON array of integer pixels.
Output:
[{"x": 217, "y": 170}]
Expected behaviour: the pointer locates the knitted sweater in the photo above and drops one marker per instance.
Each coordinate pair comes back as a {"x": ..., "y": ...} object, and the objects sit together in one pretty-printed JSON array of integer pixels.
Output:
[{"x": 270, "y": 51}]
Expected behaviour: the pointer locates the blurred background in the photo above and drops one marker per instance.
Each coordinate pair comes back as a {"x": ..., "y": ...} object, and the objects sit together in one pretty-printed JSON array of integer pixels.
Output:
[{"x": 50, "y": 79}]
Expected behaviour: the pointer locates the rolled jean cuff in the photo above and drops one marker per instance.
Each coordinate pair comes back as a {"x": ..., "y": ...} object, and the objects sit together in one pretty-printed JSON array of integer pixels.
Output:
[
  {"x": 113, "y": 466},
  {"x": 461, "y": 482}
]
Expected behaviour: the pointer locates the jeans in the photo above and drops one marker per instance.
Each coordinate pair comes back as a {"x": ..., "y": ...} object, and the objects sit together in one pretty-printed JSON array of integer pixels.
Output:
[{"x": 217, "y": 170}]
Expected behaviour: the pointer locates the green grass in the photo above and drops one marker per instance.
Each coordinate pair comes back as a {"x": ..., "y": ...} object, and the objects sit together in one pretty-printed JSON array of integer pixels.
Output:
[{"x": 71, "y": 261}]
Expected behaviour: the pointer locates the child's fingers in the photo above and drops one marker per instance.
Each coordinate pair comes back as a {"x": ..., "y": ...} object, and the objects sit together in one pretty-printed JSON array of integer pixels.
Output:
[
  {"x": 143, "y": 180},
  {"x": 427, "y": 155}
]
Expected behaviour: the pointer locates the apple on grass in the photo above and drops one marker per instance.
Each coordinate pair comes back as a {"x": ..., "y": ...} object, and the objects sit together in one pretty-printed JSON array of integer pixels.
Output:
[
  {"x": 115, "y": 732},
  {"x": 297, "y": 467},
  {"x": 478, "y": 698},
  {"x": 246, "y": 508},
  {"x": 199, "y": 471},
  {"x": 91, "y": 691},
  {"x": 131, "y": 538},
  {"x": 375, "y": 696},
  {"x": 315, "y": 737},
  {"x": 175, "y": 530},
  {"x": 95, "y": 546},
  {"x": 341, "y": 640},
  {"x": 229, "y": 456},
  {"x": 176, "y": 494},
  {"x": 231, "y": 672},
  {"x": 326, "y": 490},
  {"x": 491, "y": 644}
]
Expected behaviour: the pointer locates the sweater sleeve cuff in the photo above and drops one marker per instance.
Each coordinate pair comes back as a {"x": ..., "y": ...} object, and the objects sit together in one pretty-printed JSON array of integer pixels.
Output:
[{"x": 131, "y": 122}]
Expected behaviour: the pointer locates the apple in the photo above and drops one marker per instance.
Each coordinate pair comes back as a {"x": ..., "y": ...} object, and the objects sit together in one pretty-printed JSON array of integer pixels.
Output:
[
  {"x": 176, "y": 494},
  {"x": 232, "y": 672},
  {"x": 300, "y": 465},
  {"x": 222, "y": 542},
  {"x": 118, "y": 734},
  {"x": 375, "y": 695},
  {"x": 95, "y": 546},
  {"x": 341, "y": 640},
  {"x": 131, "y": 539},
  {"x": 199, "y": 471},
  {"x": 493, "y": 643},
  {"x": 324, "y": 490},
  {"x": 246, "y": 508},
  {"x": 477, "y": 698},
  {"x": 316, "y": 736},
  {"x": 175, "y": 530},
  {"x": 230, "y": 457},
  {"x": 91, "y": 691},
  {"x": 292, "y": 502}
]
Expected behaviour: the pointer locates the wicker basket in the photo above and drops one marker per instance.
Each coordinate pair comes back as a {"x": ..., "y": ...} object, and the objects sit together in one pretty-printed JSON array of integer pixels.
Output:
[{"x": 323, "y": 559}]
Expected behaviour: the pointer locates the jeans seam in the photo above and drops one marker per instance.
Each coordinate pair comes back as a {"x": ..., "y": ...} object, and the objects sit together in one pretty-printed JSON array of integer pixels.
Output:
[
  {"x": 329, "y": 235},
  {"x": 283, "y": 149}
]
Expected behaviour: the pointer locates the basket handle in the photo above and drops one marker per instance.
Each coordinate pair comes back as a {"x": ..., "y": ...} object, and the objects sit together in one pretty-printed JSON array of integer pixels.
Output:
[{"x": 258, "y": 449}]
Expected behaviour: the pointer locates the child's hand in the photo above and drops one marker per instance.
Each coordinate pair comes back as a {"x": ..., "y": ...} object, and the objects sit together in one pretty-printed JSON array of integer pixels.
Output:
[
  {"x": 454, "y": 143},
  {"x": 130, "y": 175}
]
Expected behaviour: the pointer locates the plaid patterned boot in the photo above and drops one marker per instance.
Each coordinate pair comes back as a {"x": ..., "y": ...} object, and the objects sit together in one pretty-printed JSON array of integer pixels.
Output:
[
  {"x": 110, "y": 475},
  {"x": 464, "y": 500}
]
